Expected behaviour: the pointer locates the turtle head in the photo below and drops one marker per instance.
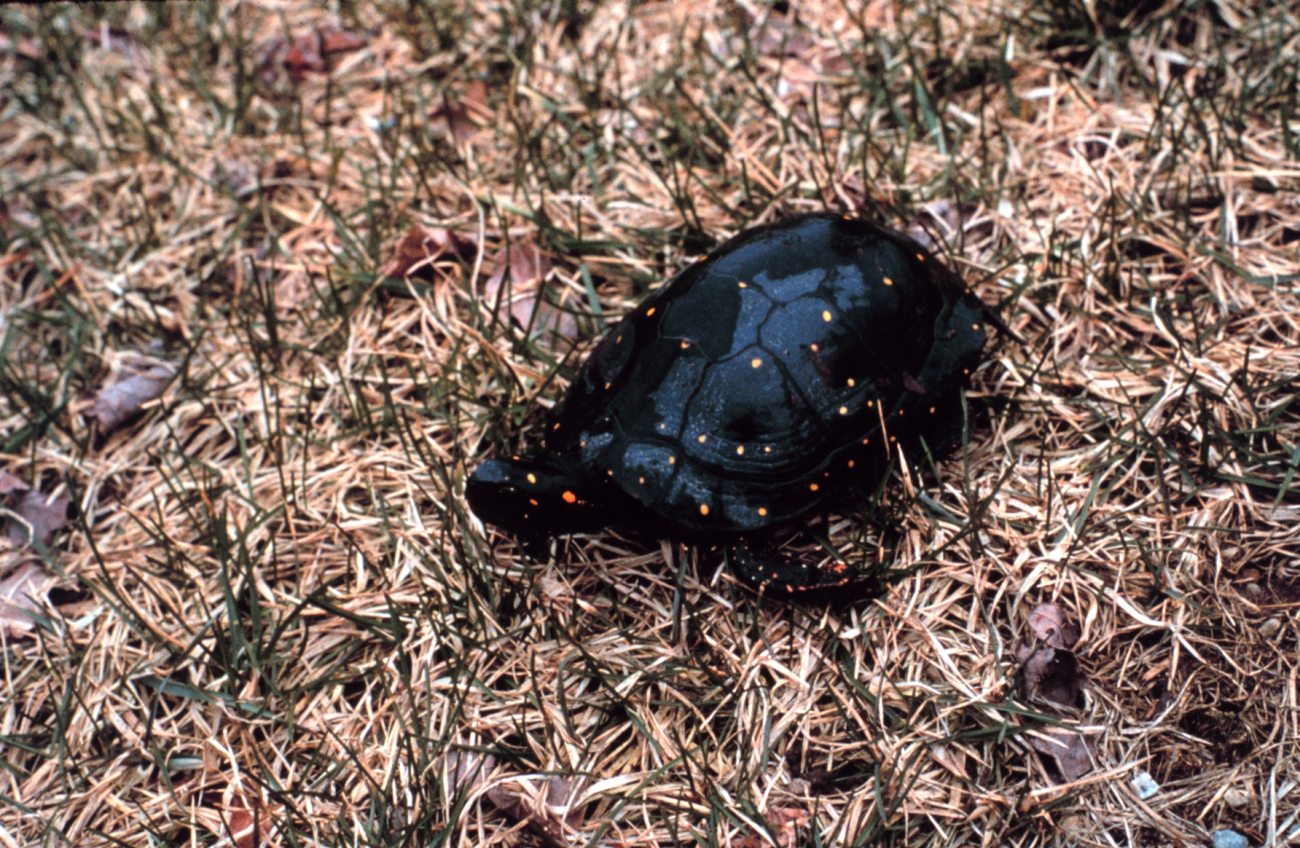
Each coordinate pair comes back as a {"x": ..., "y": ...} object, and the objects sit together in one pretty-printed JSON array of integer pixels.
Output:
[{"x": 533, "y": 496}]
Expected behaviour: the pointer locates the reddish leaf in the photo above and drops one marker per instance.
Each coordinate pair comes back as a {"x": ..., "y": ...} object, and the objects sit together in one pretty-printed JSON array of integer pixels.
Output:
[
  {"x": 42, "y": 517},
  {"x": 118, "y": 402},
  {"x": 9, "y": 484},
  {"x": 1071, "y": 750},
  {"x": 1052, "y": 624},
  {"x": 21, "y": 593},
  {"x": 1054, "y": 675},
  {"x": 547, "y": 808},
  {"x": 420, "y": 248},
  {"x": 528, "y": 268},
  {"x": 334, "y": 41},
  {"x": 475, "y": 101},
  {"x": 466, "y": 770}
]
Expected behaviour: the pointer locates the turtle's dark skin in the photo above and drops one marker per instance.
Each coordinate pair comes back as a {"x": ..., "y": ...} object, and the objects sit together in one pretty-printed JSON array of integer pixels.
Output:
[{"x": 768, "y": 380}]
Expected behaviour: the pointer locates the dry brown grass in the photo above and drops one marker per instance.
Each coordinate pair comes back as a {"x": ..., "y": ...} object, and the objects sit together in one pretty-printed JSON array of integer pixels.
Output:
[{"x": 275, "y": 621}]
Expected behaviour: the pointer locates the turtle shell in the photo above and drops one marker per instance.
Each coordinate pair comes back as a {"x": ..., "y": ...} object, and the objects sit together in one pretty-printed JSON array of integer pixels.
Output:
[{"x": 788, "y": 365}]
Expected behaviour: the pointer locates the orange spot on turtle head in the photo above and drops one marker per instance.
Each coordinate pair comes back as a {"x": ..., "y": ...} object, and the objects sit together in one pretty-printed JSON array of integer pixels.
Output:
[{"x": 569, "y": 497}]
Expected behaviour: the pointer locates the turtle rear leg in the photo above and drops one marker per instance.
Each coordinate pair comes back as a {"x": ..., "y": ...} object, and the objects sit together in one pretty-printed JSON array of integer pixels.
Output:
[{"x": 786, "y": 578}]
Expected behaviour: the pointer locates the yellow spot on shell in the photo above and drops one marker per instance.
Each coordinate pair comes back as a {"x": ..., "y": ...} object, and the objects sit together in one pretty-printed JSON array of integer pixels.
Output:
[
  {"x": 685, "y": 345},
  {"x": 641, "y": 480},
  {"x": 704, "y": 509},
  {"x": 702, "y": 439},
  {"x": 844, "y": 410},
  {"x": 569, "y": 497},
  {"x": 515, "y": 458},
  {"x": 762, "y": 510},
  {"x": 865, "y": 441},
  {"x": 850, "y": 382},
  {"x": 740, "y": 450},
  {"x": 767, "y": 450},
  {"x": 557, "y": 426},
  {"x": 532, "y": 479},
  {"x": 813, "y": 348},
  {"x": 649, "y": 312},
  {"x": 813, "y": 487},
  {"x": 932, "y": 410},
  {"x": 888, "y": 281},
  {"x": 826, "y": 315},
  {"x": 607, "y": 385},
  {"x": 742, "y": 285},
  {"x": 974, "y": 326},
  {"x": 965, "y": 370},
  {"x": 755, "y": 362},
  {"x": 672, "y": 460}
]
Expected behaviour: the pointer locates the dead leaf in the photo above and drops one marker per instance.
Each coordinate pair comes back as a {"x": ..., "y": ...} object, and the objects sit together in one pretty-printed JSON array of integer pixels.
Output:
[
  {"x": 28, "y": 47},
  {"x": 420, "y": 248},
  {"x": 22, "y": 592},
  {"x": 465, "y": 771},
  {"x": 940, "y": 222},
  {"x": 1054, "y": 675},
  {"x": 528, "y": 268},
  {"x": 250, "y": 822},
  {"x": 475, "y": 101},
  {"x": 303, "y": 54},
  {"x": 1052, "y": 624},
  {"x": 9, "y": 483},
  {"x": 1071, "y": 750},
  {"x": 335, "y": 41},
  {"x": 118, "y": 402},
  {"x": 42, "y": 517},
  {"x": 548, "y": 805},
  {"x": 783, "y": 824}
]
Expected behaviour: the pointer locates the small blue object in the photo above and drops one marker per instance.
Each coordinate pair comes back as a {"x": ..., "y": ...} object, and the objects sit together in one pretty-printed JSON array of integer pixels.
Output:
[
  {"x": 1144, "y": 786},
  {"x": 1229, "y": 839}
]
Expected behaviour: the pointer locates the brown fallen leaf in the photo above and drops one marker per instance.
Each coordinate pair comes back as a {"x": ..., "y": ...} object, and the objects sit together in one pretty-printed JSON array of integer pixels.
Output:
[
  {"x": 465, "y": 771},
  {"x": 549, "y": 805},
  {"x": 783, "y": 824},
  {"x": 1054, "y": 675},
  {"x": 420, "y": 248},
  {"x": 118, "y": 402},
  {"x": 1053, "y": 625},
  {"x": 9, "y": 484},
  {"x": 303, "y": 54},
  {"x": 528, "y": 268},
  {"x": 37, "y": 516},
  {"x": 1071, "y": 750},
  {"x": 22, "y": 592}
]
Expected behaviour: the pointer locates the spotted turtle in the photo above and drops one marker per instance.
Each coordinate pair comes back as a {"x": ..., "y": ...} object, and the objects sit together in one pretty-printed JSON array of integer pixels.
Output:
[{"x": 787, "y": 367}]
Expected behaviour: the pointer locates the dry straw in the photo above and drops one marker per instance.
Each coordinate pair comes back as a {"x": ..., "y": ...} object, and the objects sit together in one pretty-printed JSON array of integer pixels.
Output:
[{"x": 273, "y": 620}]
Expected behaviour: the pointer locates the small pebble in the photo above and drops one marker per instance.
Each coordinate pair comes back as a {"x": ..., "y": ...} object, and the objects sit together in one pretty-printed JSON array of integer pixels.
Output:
[
  {"x": 1236, "y": 797},
  {"x": 1229, "y": 839},
  {"x": 1253, "y": 590},
  {"x": 1144, "y": 786},
  {"x": 1269, "y": 628}
]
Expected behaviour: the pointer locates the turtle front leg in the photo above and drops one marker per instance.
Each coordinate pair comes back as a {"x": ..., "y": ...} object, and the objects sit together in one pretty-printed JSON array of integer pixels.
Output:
[{"x": 785, "y": 578}]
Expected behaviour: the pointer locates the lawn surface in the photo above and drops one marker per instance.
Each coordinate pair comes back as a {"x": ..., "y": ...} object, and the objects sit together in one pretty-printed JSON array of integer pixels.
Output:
[{"x": 276, "y": 276}]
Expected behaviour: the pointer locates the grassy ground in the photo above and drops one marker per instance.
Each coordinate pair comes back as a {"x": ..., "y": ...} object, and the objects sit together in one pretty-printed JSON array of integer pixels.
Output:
[{"x": 270, "y": 618}]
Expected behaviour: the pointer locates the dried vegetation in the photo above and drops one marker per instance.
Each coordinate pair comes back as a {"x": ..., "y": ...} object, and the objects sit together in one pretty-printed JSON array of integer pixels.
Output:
[{"x": 256, "y": 324}]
